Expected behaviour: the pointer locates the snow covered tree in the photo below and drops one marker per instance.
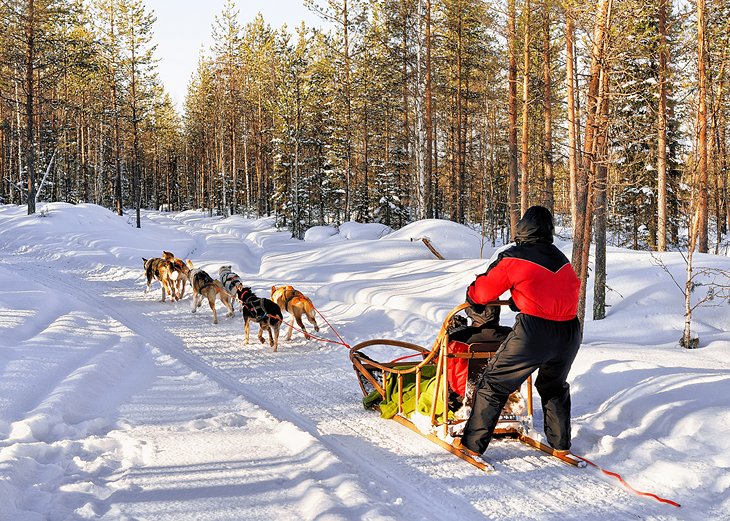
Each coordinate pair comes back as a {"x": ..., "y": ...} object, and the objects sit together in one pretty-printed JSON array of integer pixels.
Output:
[{"x": 634, "y": 142}]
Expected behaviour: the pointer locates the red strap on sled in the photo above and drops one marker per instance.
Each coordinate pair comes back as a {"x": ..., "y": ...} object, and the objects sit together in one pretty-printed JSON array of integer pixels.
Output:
[
  {"x": 406, "y": 357},
  {"x": 458, "y": 368}
]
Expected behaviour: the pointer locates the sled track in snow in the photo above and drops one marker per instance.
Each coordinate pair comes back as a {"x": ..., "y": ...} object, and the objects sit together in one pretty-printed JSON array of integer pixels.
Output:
[{"x": 154, "y": 330}]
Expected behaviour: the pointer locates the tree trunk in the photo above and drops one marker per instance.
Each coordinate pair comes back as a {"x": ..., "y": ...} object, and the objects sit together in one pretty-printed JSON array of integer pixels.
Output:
[
  {"x": 348, "y": 122},
  {"x": 421, "y": 151},
  {"x": 246, "y": 173},
  {"x": 234, "y": 172},
  {"x": 514, "y": 208},
  {"x": 599, "y": 282},
  {"x": 524, "y": 184},
  {"x": 260, "y": 205},
  {"x": 687, "y": 341},
  {"x": 429, "y": 115},
  {"x": 572, "y": 141},
  {"x": 718, "y": 148},
  {"x": 584, "y": 206},
  {"x": 135, "y": 141},
  {"x": 549, "y": 199},
  {"x": 117, "y": 135},
  {"x": 459, "y": 181},
  {"x": 29, "y": 84},
  {"x": 702, "y": 238},
  {"x": 588, "y": 158},
  {"x": 662, "y": 129},
  {"x": 19, "y": 128}
]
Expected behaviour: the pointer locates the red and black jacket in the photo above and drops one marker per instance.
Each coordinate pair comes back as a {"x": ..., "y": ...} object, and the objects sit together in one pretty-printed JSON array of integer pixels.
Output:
[{"x": 540, "y": 278}]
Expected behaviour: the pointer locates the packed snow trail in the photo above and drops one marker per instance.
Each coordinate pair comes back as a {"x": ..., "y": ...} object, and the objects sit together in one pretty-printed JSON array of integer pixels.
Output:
[{"x": 345, "y": 462}]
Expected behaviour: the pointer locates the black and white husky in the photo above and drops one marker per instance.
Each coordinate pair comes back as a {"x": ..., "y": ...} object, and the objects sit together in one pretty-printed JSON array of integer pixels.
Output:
[{"x": 231, "y": 282}]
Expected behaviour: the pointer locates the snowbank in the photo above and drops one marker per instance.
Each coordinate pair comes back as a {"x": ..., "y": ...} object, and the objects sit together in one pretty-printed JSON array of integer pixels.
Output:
[{"x": 116, "y": 406}]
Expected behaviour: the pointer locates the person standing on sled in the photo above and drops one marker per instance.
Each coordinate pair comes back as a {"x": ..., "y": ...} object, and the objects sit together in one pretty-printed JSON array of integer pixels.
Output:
[{"x": 546, "y": 335}]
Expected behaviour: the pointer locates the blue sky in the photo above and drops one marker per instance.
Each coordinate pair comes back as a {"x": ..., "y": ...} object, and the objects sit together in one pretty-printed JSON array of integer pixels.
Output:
[{"x": 183, "y": 27}]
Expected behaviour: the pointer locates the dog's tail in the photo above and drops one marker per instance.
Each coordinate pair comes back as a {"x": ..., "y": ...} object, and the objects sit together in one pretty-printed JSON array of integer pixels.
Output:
[
  {"x": 220, "y": 288},
  {"x": 311, "y": 315},
  {"x": 174, "y": 275}
]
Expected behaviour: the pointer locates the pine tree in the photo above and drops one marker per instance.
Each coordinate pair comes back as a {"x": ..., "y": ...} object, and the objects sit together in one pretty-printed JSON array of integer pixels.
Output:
[
  {"x": 135, "y": 32},
  {"x": 634, "y": 141}
]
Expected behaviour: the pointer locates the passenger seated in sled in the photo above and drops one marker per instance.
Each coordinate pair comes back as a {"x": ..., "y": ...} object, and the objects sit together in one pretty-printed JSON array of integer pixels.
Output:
[{"x": 483, "y": 335}]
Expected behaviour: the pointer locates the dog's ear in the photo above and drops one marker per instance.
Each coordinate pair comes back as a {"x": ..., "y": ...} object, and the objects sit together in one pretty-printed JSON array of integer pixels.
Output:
[
  {"x": 144, "y": 260},
  {"x": 273, "y": 290},
  {"x": 189, "y": 263}
]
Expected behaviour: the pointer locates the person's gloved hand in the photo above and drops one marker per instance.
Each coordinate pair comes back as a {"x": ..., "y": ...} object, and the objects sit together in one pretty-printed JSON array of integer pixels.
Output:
[{"x": 457, "y": 323}]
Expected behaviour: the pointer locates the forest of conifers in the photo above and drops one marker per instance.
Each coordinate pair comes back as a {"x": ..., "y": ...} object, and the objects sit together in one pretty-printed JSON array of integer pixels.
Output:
[{"x": 613, "y": 113}]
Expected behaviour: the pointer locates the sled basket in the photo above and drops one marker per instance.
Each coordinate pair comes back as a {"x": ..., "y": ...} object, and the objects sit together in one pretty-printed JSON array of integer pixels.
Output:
[{"x": 418, "y": 382}]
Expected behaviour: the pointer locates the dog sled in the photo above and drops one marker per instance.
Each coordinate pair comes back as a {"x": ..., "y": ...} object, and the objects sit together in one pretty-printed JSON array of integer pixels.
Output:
[{"x": 420, "y": 389}]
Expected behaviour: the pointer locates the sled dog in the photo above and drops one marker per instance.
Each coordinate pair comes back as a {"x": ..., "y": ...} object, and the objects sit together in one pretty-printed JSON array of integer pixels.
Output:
[
  {"x": 182, "y": 270},
  {"x": 205, "y": 287},
  {"x": 264, "y": 312},
  {"x": 161, "y": 269},
  {"x": 297, "y": 305},
  {"x": 232, "y": 282}
]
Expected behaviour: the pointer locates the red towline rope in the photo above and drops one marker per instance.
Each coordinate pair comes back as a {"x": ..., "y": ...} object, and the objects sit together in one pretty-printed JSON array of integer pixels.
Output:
[
  {"x": 341, "y": 342},
  {"x": 315, "y": 337},
  {"x": 623, "y": 482}
]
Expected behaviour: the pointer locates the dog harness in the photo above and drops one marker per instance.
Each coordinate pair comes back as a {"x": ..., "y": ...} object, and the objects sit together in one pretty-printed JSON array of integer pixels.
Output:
[
  {"x": 289, "y": 295},
  {"x": 255, "y": 306},
  {"x": 229, "y": 279}
]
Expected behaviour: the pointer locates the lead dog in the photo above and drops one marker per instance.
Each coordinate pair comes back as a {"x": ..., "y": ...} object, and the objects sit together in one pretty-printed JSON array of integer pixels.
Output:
[
  {"x": 266, "y": 313},
  {"x": 296, "y": 304},
  {"x": 231, "y": 282},
  {"x": 205, "y": 287},
  {"x": 162, "y": 270}
]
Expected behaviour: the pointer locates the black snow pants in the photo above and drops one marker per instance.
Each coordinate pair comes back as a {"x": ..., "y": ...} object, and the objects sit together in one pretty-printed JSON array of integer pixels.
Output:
[{"x": 535, "y": 343}]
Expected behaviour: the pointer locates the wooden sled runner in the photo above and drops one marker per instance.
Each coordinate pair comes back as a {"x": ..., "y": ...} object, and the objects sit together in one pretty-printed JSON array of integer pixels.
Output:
[{"x": 419, "y": 383}]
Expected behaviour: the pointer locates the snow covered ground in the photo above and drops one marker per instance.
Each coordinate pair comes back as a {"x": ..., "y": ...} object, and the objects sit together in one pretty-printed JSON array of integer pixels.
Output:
[{"x": 116, "y": 406}]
